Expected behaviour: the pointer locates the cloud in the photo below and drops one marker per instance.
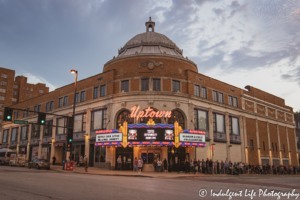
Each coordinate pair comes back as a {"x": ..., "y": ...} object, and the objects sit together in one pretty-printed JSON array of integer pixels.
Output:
[{"x": 33, "y": 79}]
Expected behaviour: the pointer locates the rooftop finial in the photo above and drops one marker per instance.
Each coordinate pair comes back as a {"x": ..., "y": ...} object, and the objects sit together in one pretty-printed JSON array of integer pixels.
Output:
[{"x": 150, "y": 24}]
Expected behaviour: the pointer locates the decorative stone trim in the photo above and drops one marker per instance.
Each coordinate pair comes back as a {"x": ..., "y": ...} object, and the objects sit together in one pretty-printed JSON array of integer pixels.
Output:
[
  {"x": 150, "y": 103},
  {"x": 271, "y": 112},
  {"x": 151, "y": 64},
  {"x": 200, "y": 79},
  {"x": 99, "y": 79},
  {"x": 177, "y": 104},
  {"x": 260, "y": 109},
  {"x": 289, "y": 117},
  {"x": 63, "y": 91},
  {"x": 249, "y": 106},
  {"x": 123, "y": 104},
  {"x": 280, "y": 115},
  {"x": 232, "y": 90}
]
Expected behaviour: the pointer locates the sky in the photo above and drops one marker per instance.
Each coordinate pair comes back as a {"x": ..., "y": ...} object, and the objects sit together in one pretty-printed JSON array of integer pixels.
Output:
[{"x": 240, "y": 42}]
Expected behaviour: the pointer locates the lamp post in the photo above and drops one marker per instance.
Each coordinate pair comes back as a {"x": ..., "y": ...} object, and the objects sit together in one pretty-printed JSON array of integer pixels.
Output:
[{"x": 75, "y": 87}]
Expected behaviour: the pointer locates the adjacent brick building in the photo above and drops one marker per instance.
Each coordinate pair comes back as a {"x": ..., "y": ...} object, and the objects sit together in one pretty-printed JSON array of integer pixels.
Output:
[
  {"x": 16, "y": 89},
  {"x": 247, "y": 125}
]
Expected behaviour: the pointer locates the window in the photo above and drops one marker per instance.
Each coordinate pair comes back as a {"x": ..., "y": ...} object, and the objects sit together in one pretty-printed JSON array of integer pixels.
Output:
[
  {"x": 125, "y": 86},
  {"x": 230, "y": 100},
  {"x": 35, "y": 110},
  {"x": 3, "y": 83},
  {"x": 82, "y": 96},
  {"x": 16, "y": 115},
  {"x": 66, "y": 101},
  {"x": 200, "y": 119},
  {"x": 235, "y": 102},
  {"x": 219, "y": 123},
  {"x": 215, "y": 96},
  {"x": 100, "y": 154},
  {"x": 197, "y": 90},
  {"x": 26, "y": 95},
  {"x": 5, "y": 134},
  {"x": 299, "y": 125},
  {"x": 77, "y": 98},
  {"x": 16, "y": 86},
  {"x": 96, "y": 89},
  {"x": 1, "y": 105},
  {"x": 102, "y": 90},
  {"x": 48, "y": 128},
  {"x": 2, "y": 90},
  {"x": 221, "y": 99},
  {"x": 61, "y": 122},
  {"x": 99, "y": 119},
  {"x": 24, "y": 132},
  {"x": 1, "y": 112},
  {"x": 124, "y": 116},
  {"x": 30, "y": 95},
  {"x": 264, "y": 146},
  {"x": 60, "y": 102},
  {"x": 2, "y": 98},
  {"x": 51, "y": 105},
  {"x": 39, "y": 108},
  {"x": 251, "y": 145},
  {"x": 35, "y": 132},
  {"x": 79, "y": 123},
  {"x": 145, "y": 84},
  {"x": 156, "y": 84},
  {"x": 27, "y": 88},
  {"x": 4, "y": 75},
  {"x": 234, "y": 125},
  {"x": 177, "y": 116},
  {"x": 14, "y": 99},
  {"x": 41, "y": 91},
  {"x": 31, "y": 89},
  {"x": 15, "y": 93},
  {"x": 25, "y": 113},
  {"x": 47, "y": 107},
  {"x": 273, "y": 146},
  {"x": 14, "y": 133},
  {"x": 176, "y": 86},
  {"x": 204, "y": 94}
]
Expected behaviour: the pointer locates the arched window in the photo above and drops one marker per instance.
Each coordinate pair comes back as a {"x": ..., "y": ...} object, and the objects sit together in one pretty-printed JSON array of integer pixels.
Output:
[
  {"x": 146, "y": 119},
  {"x": 264, "y": 146},
  {"x": 124, "y": 116},
  {"x": 177, "y": 116}
]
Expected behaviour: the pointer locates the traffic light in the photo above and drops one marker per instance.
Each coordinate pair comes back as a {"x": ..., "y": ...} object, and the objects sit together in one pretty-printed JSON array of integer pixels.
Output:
[
  {"x": 41, "y": 118},
  {"x": 8, "y": 112},
  {"x": 69, "y": 139}
]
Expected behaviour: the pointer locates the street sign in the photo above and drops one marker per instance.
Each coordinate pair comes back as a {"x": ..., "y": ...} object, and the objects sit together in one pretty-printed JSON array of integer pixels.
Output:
[{"x": 20, "y": 122}]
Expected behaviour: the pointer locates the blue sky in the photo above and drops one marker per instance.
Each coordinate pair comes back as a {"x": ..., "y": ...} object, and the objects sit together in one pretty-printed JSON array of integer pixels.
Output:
[{"x": 254, "y": 42}]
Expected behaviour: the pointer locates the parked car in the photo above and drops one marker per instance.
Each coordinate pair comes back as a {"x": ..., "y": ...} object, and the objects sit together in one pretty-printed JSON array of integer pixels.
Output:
[
  {"x": 17, "y": 160},
  {"x": 39, "y": 163},
  {"x": 5, "y": 155}
]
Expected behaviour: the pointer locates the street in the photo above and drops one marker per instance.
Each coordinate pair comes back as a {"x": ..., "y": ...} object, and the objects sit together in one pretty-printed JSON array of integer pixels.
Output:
[{"x": 24, "y": 183}]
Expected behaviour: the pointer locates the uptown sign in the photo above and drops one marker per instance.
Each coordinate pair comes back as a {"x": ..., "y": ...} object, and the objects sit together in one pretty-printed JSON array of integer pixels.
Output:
[{"x": 149, "y": 112}]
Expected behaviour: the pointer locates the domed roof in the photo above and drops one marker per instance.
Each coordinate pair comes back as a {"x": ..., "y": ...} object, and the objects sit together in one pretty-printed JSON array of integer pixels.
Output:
[{"x": 150, "y": 42}]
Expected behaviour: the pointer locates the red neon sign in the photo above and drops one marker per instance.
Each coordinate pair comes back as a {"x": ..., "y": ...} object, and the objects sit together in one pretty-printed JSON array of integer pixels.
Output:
[
  {"x": 104, "y": 131},
  {"x": 195, "y": 131},
  {"x": 149, "y": 112}
]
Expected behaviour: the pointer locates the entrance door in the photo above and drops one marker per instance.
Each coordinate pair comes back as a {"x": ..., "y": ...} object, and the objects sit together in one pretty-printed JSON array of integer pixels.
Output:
[
  {"x": 126, "y": 157},
  {"x": 178, "y": 157}
]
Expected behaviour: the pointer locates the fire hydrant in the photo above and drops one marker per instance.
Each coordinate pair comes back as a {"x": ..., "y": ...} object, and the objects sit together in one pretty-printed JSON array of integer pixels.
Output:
[{"x": 86, "y": 168}]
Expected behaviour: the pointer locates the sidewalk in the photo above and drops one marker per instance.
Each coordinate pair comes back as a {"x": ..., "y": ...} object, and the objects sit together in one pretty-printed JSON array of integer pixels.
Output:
[{"x": 106, "y": 172}]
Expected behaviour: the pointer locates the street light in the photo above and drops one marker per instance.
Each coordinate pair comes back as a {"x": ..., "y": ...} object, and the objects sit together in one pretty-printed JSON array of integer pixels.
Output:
[{"x": 75, "y": 87}]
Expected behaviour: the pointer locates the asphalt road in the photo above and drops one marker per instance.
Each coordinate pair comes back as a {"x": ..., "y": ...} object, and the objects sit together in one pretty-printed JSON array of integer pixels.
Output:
[{"x": 23, "y": 183}]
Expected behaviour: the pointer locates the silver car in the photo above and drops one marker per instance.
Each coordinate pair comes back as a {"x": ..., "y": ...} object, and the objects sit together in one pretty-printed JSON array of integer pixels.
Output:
[{"x": 39, "y": 163}]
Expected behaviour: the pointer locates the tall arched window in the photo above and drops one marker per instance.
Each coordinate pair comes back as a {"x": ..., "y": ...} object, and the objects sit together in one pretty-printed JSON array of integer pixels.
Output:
[
  {"x": 124, "y": 116},
  {"x": 177, "y": 116},
  {"x": 264, "y": 146},
  {"x": 146, "y": 119}
]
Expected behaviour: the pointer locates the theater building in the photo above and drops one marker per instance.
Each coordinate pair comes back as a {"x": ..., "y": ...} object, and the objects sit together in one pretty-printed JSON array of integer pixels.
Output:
[{"x": 151, "y": 79}]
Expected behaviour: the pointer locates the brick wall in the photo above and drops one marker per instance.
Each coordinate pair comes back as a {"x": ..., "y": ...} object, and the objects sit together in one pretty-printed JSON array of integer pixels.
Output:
[
  {"x": 251, "y": 135},
  {"x": 263, "y": 138}
]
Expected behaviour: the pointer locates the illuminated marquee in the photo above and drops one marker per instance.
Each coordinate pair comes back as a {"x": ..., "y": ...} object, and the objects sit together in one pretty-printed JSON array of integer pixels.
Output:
[{"x": 149, "y": 112}]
